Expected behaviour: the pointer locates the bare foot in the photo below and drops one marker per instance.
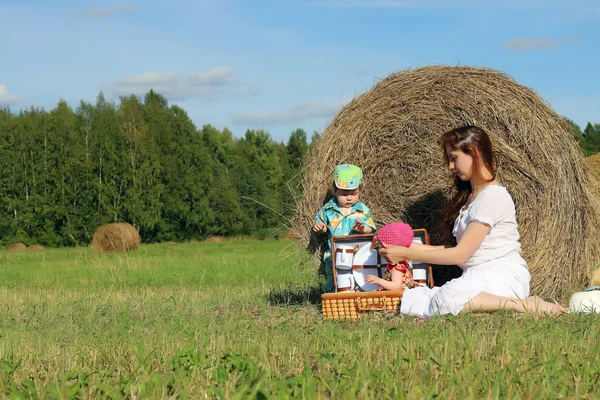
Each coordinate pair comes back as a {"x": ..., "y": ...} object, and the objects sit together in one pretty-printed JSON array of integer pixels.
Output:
[{"x": 538, "y": 306}]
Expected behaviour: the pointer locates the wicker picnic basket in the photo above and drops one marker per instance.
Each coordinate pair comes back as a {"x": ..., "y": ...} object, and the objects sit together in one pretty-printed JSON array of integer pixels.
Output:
[{"x": 354, "y": 304}]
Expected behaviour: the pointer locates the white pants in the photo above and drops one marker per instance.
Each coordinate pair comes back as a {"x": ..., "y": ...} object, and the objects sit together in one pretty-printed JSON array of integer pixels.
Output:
[{"x": 501, "y": 279}]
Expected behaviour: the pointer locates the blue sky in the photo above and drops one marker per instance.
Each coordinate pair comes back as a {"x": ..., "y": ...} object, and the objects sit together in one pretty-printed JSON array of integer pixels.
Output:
[{"x": 282, "y": 65}]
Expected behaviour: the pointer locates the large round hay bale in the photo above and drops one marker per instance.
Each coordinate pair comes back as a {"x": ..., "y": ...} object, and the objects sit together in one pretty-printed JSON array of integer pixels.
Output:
[
  {"x": 116, "y": 237},
  {"x": 595, "y": 281},
  {"x": 593, "y": 163},
  {"x": 17, "y": 246},
  {"x": 392, "y": 132}
]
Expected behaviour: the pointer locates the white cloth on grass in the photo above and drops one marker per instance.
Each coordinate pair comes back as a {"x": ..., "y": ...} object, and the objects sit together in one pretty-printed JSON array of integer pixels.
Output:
[{"x": 496, "y": 267}]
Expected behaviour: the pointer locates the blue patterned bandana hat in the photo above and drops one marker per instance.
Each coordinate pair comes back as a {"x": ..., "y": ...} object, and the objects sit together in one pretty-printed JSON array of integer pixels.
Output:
[{"x": 347, "y": 177}]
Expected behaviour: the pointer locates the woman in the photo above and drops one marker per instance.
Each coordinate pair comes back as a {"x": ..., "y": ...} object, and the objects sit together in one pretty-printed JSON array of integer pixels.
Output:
[{"x": 495, "y": 276}]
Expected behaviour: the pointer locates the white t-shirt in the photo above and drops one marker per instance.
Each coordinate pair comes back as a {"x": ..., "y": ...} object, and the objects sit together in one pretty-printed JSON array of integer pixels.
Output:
[{"x": 493, "y": 206}]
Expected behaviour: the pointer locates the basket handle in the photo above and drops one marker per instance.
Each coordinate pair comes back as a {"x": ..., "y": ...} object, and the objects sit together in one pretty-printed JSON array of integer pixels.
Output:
[{"x": 376, "y": 306}]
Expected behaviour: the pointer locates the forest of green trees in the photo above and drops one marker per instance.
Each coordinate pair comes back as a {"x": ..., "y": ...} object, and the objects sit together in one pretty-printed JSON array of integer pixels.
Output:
[
  {"x": 588, "y": 139},
  {"x": 65, "y": 172}
]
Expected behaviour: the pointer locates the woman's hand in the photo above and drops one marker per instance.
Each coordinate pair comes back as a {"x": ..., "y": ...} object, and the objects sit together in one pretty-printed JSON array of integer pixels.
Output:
[
  {"x": 393, "y": 254},
  {"x": 372, "y": 279}
]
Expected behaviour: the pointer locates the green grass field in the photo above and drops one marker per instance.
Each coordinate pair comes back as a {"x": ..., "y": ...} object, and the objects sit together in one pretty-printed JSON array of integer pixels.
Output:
[{"x": 241, "y": 319}]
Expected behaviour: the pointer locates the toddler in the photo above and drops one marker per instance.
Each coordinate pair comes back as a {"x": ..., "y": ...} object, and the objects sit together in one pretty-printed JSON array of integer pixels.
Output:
[{"x": 344, "y": 214}]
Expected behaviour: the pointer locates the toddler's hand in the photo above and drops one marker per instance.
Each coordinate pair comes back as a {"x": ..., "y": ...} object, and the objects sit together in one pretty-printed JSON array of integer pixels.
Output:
[
  {"x": 320, "y": 227},
  {"x": 360, "y": 227},
  {"x": 372, "y": 279}
]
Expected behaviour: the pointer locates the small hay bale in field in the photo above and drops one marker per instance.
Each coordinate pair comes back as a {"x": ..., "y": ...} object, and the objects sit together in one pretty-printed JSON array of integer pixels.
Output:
[
  {"x": 17, "y": 246},
  {"x": 392, "y": 133},
  {"x": 35, "y": 247},
  {"x": 214, "y": 239},
  {"x": 116, "y": 237}
]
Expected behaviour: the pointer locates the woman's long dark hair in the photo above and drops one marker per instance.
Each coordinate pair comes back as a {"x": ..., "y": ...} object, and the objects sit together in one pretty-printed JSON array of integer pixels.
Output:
[{"x": 475, "y": 142}]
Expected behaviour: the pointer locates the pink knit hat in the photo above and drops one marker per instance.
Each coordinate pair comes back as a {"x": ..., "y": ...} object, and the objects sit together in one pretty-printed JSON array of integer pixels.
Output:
[{"x": 396, "y": 234}]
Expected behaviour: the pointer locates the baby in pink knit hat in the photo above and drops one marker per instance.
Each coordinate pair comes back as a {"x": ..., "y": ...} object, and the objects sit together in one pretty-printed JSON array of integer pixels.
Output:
[{"x": 398, "y": 276}]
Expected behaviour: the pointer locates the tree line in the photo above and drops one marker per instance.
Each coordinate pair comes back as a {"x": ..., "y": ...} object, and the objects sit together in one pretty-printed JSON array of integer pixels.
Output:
[
  {"x": 65, "y": 172},
  {"x": 588, "y": 139}
]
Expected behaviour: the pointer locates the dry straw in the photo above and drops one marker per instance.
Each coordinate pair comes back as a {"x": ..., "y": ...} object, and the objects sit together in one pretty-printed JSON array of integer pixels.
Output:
[
  {"x": 116, "y": 237},
  {"x": 392, "y": 133},
  {"x": 214, "y": 239},
  {"x": 593, "y": 164},
  {"x": 595, "y": 281},
  {"x": 17, "y": 246}
]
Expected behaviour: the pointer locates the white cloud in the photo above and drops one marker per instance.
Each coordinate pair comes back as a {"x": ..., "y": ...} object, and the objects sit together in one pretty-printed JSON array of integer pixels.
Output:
[
  {"x": 369, "y": 4},
  {"x": 7, "y": 99},
  {"x": 207, "y": 85},
  {"x": 253, "y": 91},
  {"x": 166, "y": 84},
  {"x": 218, "y": 76},
  {"x": 575, "y": 39},
  {"x": 298, "y": 114},
  {"x": 150, "y": 78},
  {"x": 528, "y": 44},
  {"x": 496, "y": 4},
  {"x": 108, "y": 11}
]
